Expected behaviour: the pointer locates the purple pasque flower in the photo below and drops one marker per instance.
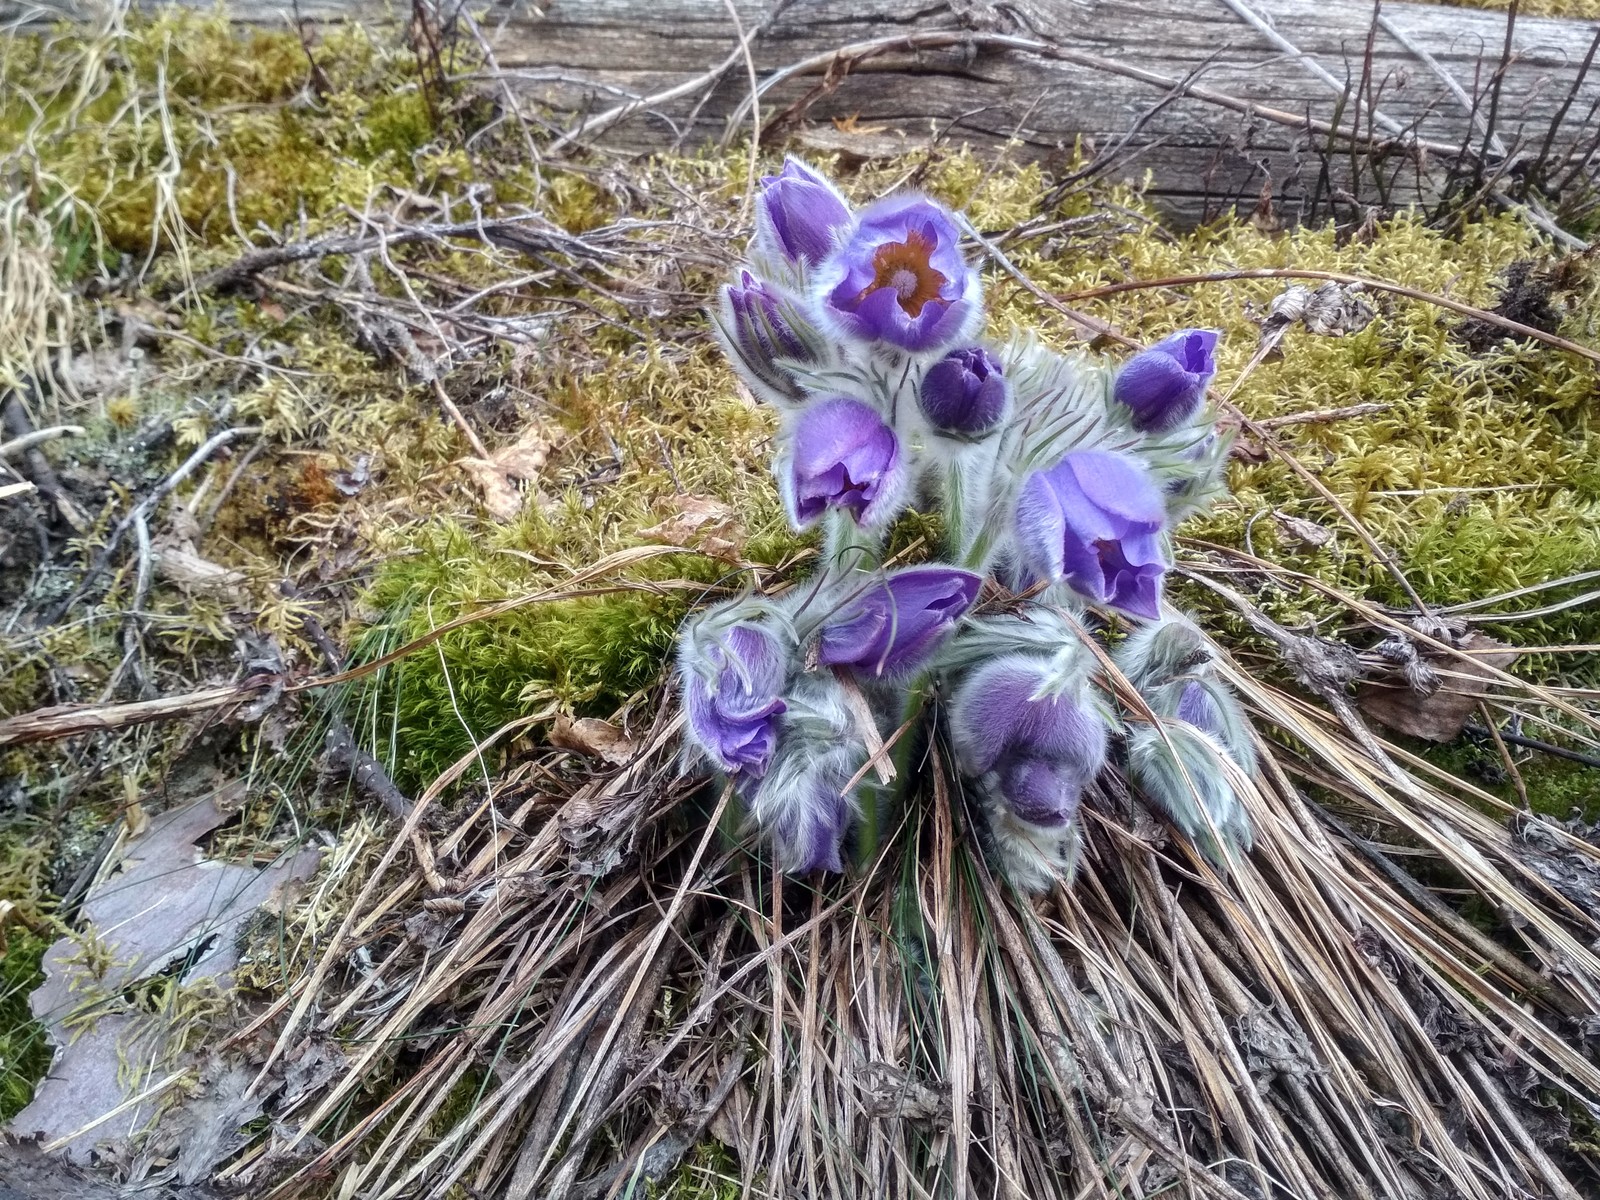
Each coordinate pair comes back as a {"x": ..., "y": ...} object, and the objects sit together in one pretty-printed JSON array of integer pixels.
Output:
[
  {"x": 1044, "y": 747},
  {"x": 1164, "y": 386},
  {"x": 1094, "y": 519},
  {"x": 899, "y": 620},
  {"x": 800, "y": 212},
  {"x": 733, "y": 684},
  {"x": 842, "y": 455},
  {"x": 964, "y": 392},
  {"x": 899, "y": 277}
]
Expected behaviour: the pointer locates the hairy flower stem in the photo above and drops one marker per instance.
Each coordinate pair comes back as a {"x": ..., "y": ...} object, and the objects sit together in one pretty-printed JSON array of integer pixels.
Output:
[{"x": 847, "y": 547}]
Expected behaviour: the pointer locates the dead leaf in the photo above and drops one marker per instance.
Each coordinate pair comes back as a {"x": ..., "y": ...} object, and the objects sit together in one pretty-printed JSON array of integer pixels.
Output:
[
  {"x": 703, "y": 524},
  {"x": 1437, "y": 715},
  {"x": 504, "y": 476},
  {"x": 1307, "y": 533},
  {"x": 159, "y": 906},
  {"x": 852, "y": 125},
  {"x": 592, "y": 738},
  {"x": 1333, "y": 310}
]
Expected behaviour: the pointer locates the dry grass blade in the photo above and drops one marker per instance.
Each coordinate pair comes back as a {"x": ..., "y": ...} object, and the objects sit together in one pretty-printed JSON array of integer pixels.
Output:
[{"x": 1305, "y": 1025}]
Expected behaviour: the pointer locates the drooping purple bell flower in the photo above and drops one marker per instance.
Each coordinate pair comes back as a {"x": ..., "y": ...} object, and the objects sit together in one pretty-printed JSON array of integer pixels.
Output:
[
  {"x": 964, "y": 392},
  {"x": 899, "y": 277},
  {"x": 1045, "y": 749},
  {"x": 1165, "y": 385},
  {"x": 800, "y": 213},
  {"x": 842, "y": 455},
  {"x": 1094, "y": 519},
  {"x": 732, "y": 694},
  {"x": 899, "y": 621}
]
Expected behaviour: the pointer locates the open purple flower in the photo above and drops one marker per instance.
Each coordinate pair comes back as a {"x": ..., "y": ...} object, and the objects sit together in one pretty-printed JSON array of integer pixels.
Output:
[
  {"x": 800, "y": 212},
  {"x": 899, "y": 621},
  {"x": 964, "y": 392},
  {"x": 1165, "y": 385},
  {"x": 899, "y": 277},
  {"x": 1094, "y": 519},
  {"x": 842, "y": 456},
  {"x": 1044, "y": 749},
  {"x": 732, "y": 693}
]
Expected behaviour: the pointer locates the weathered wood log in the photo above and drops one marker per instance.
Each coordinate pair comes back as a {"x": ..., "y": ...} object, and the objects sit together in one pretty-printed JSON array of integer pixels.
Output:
[{"x": 1218, "y": 99}]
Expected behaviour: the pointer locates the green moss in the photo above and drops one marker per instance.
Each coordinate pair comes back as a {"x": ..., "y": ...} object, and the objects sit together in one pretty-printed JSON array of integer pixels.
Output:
[
  {"x": 193, "y": 131},
  {"x": 629, "y": 438},
  {"x": 24, "y": 1047}
]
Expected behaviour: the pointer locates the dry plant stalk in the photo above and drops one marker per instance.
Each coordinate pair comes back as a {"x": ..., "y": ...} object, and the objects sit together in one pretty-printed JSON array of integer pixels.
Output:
[{"x": 618, "y": 980}]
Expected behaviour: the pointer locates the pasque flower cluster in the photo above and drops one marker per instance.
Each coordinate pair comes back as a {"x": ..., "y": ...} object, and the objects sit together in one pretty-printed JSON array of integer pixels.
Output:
[{"x": 1058, "y": 480}]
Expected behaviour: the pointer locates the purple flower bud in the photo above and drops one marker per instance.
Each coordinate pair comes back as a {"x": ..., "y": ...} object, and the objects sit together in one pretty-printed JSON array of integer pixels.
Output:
[
  {"x": 899, "y": 277},
  {"x": 900, "y": 621},
  {"x": 1045, "y": 749},
  {"x": 843, "y": 456},
  {"x": 1196, "y": 706},
  {"x": 759, "y": 324},
  {"x": 1164, "y": 385},
  {"x": 1094, "y": 519},
  {"x": 801, "y": 212},
  {"x": 809, "y": 830},
  {"x": 964, "y": 392},
  {"x": 733, "y": 695}
]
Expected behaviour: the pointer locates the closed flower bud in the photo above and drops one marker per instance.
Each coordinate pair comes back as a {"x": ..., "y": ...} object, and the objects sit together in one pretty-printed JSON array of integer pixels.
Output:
[
  {"x": 1187, "y": 774},
  {"x": 898, "y": 621},
  {"x": 733, "y": 681},
  {"x": 800, "y": 213},
  {"x": 808, "y": 833},
  {"x": 899, "y": 277},
  {"x": 1164, "y": 386},
  {"x": 801, "y": 804},
  {"x": 1043, "y": 747},
  {"x": 763, "y": 332},
  {"x": 842, "y": 455},
  {"x": 1094, "y": 520},
  {"x": 964, "y": 392},
  {"x": 761, "y": 329}
]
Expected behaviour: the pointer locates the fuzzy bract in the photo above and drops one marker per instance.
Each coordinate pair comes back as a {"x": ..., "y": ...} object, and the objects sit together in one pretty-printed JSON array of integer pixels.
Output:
[
  {"x": 800, "y": 213},
  {"x": 899, "y": 277},
  {"x": 733, "y": 682},
  {"x": 964, "y": 392},
  {"x": 1164, "y": 386},
  {"x": 1094, "y": 520},
  {"x": 898, "y": 621},
  {"x": 842, "y": 455}
]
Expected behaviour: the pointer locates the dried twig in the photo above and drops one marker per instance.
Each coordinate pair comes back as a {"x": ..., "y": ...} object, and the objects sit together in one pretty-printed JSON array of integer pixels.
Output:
[{"x": 1380, "y": 285}]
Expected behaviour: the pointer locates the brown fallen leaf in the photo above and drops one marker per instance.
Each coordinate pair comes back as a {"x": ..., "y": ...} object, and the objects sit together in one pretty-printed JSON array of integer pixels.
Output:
[
  {"x": 1307, "y": 533},
  {"x": 1436, "y": 715},
  {"x": 703, "y": 524},
  {"x": 507, "y": 473},
  {"x": 592, "y": 738}
]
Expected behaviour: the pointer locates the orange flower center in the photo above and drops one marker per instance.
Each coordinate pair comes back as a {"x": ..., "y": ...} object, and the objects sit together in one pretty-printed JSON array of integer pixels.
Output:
[{"x": 904, "y": 267}]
